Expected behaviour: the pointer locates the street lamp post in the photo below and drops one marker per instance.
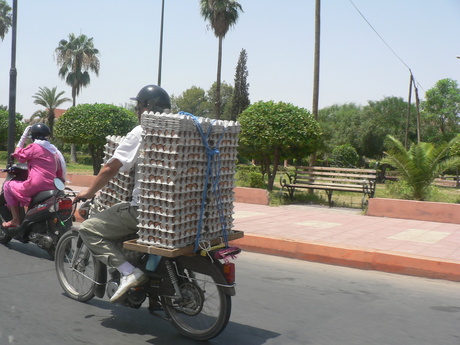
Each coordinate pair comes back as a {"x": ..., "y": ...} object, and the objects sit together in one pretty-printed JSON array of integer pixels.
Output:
[
  {"x": 161, "y": 42},
  {"x": 13, "y": 77}
]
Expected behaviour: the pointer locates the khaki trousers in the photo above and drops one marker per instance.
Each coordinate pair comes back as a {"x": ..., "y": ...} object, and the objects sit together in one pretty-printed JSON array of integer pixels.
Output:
[{"x": 103, "y": 231}]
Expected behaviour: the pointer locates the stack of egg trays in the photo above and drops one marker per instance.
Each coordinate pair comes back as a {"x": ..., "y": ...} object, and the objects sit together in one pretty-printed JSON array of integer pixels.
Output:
[
  {"x": 120, "y": 187},
  {"x": 173, "y": 174}
]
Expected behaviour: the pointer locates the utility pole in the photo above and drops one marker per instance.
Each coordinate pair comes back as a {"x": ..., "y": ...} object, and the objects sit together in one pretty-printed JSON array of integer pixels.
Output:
[
  {"x": 161, "y": 42},
  {"x": 417, "y": 104},
  {"x": 13, "y": 78},
  {"x": 316, "y": 68},
  {"x": 406, "y": 137}
]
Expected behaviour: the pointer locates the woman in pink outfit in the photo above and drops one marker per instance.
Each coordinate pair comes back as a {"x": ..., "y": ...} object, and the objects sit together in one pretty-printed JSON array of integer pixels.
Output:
[{"x": 44, "y": 163}]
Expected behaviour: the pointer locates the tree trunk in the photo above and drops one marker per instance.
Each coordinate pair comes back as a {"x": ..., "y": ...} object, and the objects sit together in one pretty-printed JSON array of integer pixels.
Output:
[
  {"x": 97, "y": 158},
  {"x": 51, "y": 123},
  {"x": 73, "y": 153},
  {"x": 73, "y": 148},
  {"x": 217, "y": 105},
  {"x": 272, "y": 173}
]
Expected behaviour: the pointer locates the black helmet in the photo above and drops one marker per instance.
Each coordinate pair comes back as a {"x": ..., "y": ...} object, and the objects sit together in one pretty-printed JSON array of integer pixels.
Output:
[
  {"x": 40, "y": 131},
  {"x": 153, "y": 98}
]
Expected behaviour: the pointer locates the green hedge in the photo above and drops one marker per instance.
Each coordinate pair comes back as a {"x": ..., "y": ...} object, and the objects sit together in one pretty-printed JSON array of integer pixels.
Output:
[
  {"x": 81, "y": 159},
  {"x": 249, "y": 176}
]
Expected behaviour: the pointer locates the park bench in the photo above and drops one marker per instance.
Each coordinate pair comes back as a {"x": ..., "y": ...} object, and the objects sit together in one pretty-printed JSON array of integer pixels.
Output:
[{"x": 330, "y": 179}]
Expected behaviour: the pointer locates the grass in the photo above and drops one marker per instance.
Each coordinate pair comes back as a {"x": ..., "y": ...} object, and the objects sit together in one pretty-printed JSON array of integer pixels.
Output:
[
  {"x": 82, "y": 169},
  {"x": 390, "y": 190},
  {"x": 353, "y": 200}
]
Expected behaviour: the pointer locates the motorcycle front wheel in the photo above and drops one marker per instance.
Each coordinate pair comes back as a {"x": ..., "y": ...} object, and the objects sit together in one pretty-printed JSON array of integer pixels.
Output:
[
  {"x": 204, "y": 310},
  {"x": 76, "y": 267},
  {"x": 4, "y": 238}
]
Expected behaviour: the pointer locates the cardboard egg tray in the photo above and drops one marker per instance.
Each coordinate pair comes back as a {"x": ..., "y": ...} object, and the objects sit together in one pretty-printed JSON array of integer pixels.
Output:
[
  {"x": 173, "y": 177},
  {"x": 120, "y": 187},
  {"x": 172, "y": 169}
]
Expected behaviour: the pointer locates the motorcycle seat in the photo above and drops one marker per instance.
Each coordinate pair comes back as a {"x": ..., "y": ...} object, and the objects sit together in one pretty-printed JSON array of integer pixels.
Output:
[{"x": 43, "y": 195}]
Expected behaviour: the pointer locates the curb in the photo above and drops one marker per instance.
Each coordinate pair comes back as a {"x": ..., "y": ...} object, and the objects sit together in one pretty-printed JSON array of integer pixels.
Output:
[{"x": 353, "y": 257}]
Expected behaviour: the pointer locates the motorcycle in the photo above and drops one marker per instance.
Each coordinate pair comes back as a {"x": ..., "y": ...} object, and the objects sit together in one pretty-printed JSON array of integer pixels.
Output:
[
  {"x": 192, "y": 291},
  {"x": 48, "y": 217}
]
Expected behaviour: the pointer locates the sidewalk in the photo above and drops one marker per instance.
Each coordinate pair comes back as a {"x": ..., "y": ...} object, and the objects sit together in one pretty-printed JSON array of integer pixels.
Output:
[{"x": 346, "y": 237}]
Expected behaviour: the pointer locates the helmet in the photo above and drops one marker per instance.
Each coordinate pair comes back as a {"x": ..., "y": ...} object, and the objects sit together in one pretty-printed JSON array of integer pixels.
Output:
[
  {"x": 40, "y": 131},
  {"x": 153, "y": 98}
]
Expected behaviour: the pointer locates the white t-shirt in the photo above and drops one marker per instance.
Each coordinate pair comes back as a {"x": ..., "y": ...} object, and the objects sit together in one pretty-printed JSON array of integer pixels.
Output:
[{"x": 128, "y": 153}]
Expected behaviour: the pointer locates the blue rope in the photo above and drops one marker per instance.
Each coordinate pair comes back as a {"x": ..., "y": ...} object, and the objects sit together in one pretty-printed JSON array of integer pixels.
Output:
[{"x": 211, "y": 154}]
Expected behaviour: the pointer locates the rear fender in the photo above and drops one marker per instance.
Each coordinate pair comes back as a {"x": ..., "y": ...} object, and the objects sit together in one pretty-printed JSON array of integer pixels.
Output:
[{"x": 204, "y": 265}]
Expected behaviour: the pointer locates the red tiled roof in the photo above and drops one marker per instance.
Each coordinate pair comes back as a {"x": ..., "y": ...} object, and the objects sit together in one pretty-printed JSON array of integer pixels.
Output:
[{"x": 58, "y": 113}]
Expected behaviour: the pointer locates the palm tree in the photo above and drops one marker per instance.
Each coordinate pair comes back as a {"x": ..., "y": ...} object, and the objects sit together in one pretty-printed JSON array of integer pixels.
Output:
[
  {"x": 39, "y": 116},
  {"x": 421, "y": 164},
  {"x": 222, "y": 15},
  {"x": 5, "y": 18},
  {"x": 50, "y": 99},
  {"x": 77, "y": 56}
]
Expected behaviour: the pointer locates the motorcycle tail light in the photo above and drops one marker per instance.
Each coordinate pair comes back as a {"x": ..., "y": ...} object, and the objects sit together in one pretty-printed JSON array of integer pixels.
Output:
[
  {"x": 65, "y": 204},
  {"x": 229, "y": 272}
]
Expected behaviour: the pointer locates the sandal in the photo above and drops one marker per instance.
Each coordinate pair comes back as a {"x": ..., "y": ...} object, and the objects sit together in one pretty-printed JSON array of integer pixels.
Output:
[{"x": 8, "y": 225}]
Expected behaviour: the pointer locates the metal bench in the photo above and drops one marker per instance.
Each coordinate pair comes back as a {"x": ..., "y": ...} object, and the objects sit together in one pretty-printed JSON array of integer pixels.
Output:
[{"x": 330, "y": 179}]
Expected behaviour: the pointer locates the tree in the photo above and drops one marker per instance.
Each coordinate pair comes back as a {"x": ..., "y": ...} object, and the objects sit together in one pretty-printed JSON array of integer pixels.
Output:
[
  {"x": 226, "y": 93},
  {"x": 421, "y": 164},
  {"x": 222, "y": 15},
  {"x": 50, "y": 99},
  {"x": 382, "y": 118},
  {"x": 76, "y": 56},
  {"x": 240, "y": 97},
  {"x": 340, "y": 125},
  {"x": 193, "y": 101},
  {"x": 441, "y": 111},
  {"x": 90, "y": 124},
  {"x": 39, "y": 116},
  {"x": 271, "y": 132},
  {"x": 6, "y": 18},
  {"x": 4, "y": 120},
  {"x": 345, "y": 156}
]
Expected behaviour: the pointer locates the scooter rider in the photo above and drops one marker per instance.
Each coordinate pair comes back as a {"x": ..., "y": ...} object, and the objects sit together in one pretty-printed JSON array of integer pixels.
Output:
[
  {"x": 101, "y": 232},
  {"x": 44, "y": 163}
]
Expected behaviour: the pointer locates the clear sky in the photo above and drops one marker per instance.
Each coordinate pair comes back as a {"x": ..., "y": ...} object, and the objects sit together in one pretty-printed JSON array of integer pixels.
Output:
[{"x": 356, "y": 66}]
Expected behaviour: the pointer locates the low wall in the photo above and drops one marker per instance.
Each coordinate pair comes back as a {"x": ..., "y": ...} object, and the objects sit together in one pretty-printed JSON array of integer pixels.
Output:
[
  {"x": 252, "y": 195},
  {"x": 418, "y": 210},
  {"x": 80, "y": 180}
]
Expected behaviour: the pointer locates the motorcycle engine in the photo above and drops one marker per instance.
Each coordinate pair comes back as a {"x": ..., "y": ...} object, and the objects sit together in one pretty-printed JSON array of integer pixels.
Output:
[{"x": 112, "y": 287}]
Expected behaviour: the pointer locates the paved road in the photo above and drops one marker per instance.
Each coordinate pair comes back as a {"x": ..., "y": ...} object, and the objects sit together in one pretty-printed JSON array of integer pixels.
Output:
[{"x": 279, "y": 301}]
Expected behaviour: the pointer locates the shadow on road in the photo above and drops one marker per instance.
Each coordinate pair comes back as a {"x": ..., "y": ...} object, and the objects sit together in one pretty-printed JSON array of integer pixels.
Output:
[
  {"x": 28, "y": 249},
  {"x": 138, "y": 321}
]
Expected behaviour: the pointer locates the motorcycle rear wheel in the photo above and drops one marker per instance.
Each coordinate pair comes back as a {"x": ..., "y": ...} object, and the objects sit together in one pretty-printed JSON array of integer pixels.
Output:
[
  {"x": 205, "y": 309},
  {"x": 76, "y": 267}
]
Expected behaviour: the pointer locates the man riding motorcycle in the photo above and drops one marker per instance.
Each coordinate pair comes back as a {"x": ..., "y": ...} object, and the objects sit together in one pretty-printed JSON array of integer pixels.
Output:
[{"x": 101, "y": 232}]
